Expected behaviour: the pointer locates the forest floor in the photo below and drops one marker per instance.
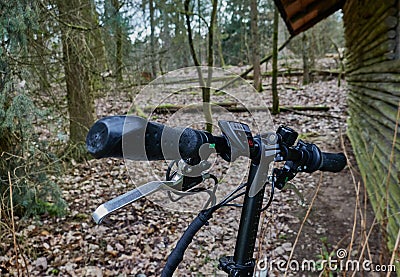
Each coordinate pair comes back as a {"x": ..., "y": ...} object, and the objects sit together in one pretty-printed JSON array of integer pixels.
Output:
[{"x": 326, "y": 213}]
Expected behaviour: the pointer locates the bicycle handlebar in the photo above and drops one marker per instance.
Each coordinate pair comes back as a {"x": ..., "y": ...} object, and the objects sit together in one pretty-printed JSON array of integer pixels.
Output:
[
  {"x": 332, "y": 162},
  {"x": 135, "y": 138},
  {"x": 310, "y": 158}
]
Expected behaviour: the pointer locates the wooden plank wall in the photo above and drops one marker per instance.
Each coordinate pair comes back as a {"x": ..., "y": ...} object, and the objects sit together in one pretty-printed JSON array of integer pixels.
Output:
[{"x": 373, "y": 75}]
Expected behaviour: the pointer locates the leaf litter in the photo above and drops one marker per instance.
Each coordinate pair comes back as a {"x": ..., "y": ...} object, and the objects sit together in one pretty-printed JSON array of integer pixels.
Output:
[{"x": 136, "y": 240}]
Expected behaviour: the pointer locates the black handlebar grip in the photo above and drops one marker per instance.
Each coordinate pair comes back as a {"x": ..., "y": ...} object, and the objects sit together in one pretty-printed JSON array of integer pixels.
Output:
[
  {"x": 104, "y": 137},
  {"x": 135, "y": 138},
  {"x": 333, "y": 162}
]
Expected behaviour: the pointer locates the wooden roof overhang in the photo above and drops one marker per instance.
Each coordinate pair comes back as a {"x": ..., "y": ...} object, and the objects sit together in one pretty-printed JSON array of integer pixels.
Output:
[{"x": 299, "y": 15}]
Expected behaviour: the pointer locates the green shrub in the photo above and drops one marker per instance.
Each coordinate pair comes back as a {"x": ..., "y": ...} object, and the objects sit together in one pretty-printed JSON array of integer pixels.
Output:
[{"x": 25, "y": 162}]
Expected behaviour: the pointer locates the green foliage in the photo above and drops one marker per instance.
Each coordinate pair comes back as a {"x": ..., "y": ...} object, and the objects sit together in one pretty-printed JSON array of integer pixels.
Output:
[
  {"x": 292, "y": 187},
  {"x": 235, "y": 28},
  {"x": 26, "y": 162},
  {"x": 324, "y": 265},
  {"x": 116, "y": 27},
  {"x": 16, "y": 19}
]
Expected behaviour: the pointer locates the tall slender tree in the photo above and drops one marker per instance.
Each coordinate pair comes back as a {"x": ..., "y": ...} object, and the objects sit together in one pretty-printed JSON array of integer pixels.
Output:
[
  {"x": 77, "y": 66},
  {"x": 152, "y": 40},
  {"x": 306, "y": 64},
  {"x": 206, "y": 93},
  {"x": 95, "y": 40},
  {"x": 275, "y": 97},
  {"x": 37, "y": 43},
  {"x": 117, "y": 28},
  {"x": 255, "y": 47},
  {"x": 165, "y": 35},
  {"x": 114, "y": 35}
]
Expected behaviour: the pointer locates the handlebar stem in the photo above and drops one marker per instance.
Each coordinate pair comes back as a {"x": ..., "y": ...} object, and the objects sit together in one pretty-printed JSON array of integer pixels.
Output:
[{"x": 242, "y": 263}]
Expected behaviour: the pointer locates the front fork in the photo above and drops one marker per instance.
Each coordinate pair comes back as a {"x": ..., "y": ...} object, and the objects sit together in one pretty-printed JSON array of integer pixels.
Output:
[{"x": 243, "y": 263}]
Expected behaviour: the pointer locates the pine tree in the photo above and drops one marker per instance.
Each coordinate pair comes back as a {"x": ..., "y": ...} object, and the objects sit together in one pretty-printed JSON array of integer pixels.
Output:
[{"x": 24, "y": 162}]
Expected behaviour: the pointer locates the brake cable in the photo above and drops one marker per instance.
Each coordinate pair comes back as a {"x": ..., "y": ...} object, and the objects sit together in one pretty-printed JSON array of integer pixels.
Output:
[
  {"x": 271, "y": 195},
  {"x": 168, "y": 176}
]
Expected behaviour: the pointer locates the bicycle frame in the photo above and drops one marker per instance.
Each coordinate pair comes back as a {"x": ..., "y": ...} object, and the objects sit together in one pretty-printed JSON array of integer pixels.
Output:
[
  {"x": 105, "y": 140},
  {"x": 242, "y": 263}
]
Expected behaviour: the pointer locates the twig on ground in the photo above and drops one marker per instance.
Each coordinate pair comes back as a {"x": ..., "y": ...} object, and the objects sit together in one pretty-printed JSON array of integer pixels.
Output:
[
  {"x": 365, "y": 244},
  {"x": 387, "y": 184},
  {"x": 395, "y": 249},
  {"x": 314, "y": 114},
  {"x": 357, "y": 207},
  {"x": 303, "y": 222},
  {"x": 13, "y": 224}
]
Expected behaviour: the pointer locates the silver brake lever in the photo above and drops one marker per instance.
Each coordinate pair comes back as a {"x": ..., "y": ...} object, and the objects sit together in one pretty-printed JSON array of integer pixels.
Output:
[
  {"x": 174, "y": 185},
  {"x": 131, "y": 196}
]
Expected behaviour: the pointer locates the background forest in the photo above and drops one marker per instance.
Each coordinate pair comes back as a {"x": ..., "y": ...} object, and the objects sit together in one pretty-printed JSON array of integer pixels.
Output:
[{"x": 58, "y": 57}]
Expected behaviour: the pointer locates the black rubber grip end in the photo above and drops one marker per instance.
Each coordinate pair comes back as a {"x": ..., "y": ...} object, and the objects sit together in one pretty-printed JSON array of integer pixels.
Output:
[
  {"x": 135, "y": 138},
  {"x": 105, "y": 137},
  {"x": 333, "y": 162}
]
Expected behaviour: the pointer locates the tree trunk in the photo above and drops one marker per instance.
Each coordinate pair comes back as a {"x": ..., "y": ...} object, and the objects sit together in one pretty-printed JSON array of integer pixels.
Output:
[
  {"x": 220, "y": 52},
  {"x": 165, "y": 36},
  {"x": 179, "y": 30},
  {"x": 210, "y": 62},
  {"x": 96, "y": 45},
  {"x": 199, "y": 30},
  {"x": 190, "y": 38},
  {"x": 38, "y": 49},
  {"x": 206, "y": 94},
  {"x": 255, "y": 48},
  {"x": 76, "y": 58},
  {"x": 41, "y": 64},
  {"x": 152, "y": 39},
  {"x": 275, "y": 97},
  {"x": 248, "y": 70},
  {"x": 306, "y": 65},
  {"x": 118, "y": 42},
  {"x": 118, "y": 54}
]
